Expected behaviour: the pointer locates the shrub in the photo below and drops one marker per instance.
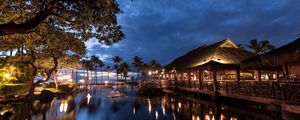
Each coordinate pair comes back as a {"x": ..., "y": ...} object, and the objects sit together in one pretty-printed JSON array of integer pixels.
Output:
[
  {"x": 67, "y": 87},
  {"x": 13, "y": 89}
]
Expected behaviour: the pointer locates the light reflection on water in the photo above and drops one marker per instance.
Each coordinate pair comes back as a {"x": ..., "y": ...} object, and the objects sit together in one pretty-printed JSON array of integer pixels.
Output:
[{"x": 95, "y": 104}]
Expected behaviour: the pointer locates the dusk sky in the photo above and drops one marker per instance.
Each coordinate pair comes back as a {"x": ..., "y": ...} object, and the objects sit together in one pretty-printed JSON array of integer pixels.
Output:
[{"x": 166, "y": 29}]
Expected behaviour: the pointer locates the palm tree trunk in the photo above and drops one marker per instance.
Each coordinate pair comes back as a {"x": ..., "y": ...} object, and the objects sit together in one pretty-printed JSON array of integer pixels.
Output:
[
  {"x": 96, "y": 76},
  {"x": 101, "y": 75},
  {"x": 87, "y": 75}
]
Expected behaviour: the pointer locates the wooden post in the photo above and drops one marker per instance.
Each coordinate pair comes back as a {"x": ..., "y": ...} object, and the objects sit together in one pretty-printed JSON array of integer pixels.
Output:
[
  {"x": 200, "y": 78},
  {"x": 76, "y": 76},
  {"x": 215, "y": 82},
  {"x": 238, "y": 71},
  {"x": 277, "y": 76},
  {"x": 189, "y": 79},
  {"x": 259, "y": 75}
]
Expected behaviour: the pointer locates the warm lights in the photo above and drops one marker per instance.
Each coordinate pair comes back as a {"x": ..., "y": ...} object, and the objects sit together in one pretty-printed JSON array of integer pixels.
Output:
[
  {"x": 7, "y": 75},
  {"x": 106, "y": 82}
]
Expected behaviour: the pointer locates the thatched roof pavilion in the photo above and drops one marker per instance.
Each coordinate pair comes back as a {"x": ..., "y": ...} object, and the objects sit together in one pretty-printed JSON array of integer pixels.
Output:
[
  {"x": 224, "y": 52},
  {"x": 275, "y": 59}
]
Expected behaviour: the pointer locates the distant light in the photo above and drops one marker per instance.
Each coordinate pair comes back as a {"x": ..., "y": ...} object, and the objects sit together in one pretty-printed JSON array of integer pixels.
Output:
[
  {"x": 82, "y": 80},
  {"x": 7, "y": 75},
  {"x": 179, "y": 104},
  {"x": 106, "y": 82},
  {"x": 150, "y": 73}
]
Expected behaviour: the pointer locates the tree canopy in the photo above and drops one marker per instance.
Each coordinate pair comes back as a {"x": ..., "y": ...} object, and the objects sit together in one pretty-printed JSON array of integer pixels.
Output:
[{"x": 83, "y": 19}]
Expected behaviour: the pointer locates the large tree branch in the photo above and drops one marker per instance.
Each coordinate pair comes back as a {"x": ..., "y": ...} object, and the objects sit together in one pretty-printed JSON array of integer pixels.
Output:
[{"x": 13, "y": 28}]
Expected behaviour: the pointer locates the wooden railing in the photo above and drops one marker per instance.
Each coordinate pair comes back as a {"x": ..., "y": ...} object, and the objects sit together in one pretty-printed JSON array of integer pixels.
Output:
[{"x": 289, "y": 92}]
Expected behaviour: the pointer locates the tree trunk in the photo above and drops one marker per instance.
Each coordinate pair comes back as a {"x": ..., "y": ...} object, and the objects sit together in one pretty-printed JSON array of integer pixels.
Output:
[
  {"x": 87, "y": 75},
  {"x": 101, "y": 76},
  {"x": 55, "y": 74},
  {"x": 12, "y": 28},
  {"x": 96, "y": 76}
]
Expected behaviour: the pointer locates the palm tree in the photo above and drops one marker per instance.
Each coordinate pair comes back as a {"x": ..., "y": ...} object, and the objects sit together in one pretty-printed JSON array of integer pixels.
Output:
[
  {"x": 154, "y": 66},
  {"x": 101, "y": 65},
  {"x": 117, "y": 60},
  {"x": 88, "y": 65},
  {"x": 98, "y": 63},
  {"x": 254, "y": 46},
  {"x": 260, "y": 47},
  {"x": 144, "y": 69},
  {"x": 124, "y": 68},
  {"x": 95, "y": 60},
  {"x": 241, "y": 46},
  {"x": 108, "y": 69},
  {"x": 266, "y": 46},
  {"x": 137, "y": 63}
]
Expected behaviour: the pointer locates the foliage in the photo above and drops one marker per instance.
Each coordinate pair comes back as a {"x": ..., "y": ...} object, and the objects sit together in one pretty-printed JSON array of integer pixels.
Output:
[
  {"x": 117, "y": 60},
  {"x": 260, "y": 47},
  {"x": 51, "y": 89},
  {"x": 154, "y": 65},
  {"x": 138, "y": 64},
  {"x": 8, "y": 74},
  {"x": 12, "y": 89},
  {"x": 67, "y": 87},
  {"x": 84, "y": 19},
  {"x": 124, "y": 68}
]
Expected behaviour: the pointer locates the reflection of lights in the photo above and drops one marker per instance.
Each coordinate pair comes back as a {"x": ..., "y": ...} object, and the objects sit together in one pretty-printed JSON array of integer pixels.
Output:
[
  {"x": 156, "y": 115},
  {"x": 179, "y": 104},
  {"x": 174, "y": 117},
  {"x": 133, "y": 110},
  {"x": 70, "y": 80},
  {"x": 88, "y": 98},
  {"x": 163, "y": 109},
  {"x": 206, "y": 117},
  {"x": 172, "y": 106},
  {"x": 63, "y": 106},
  {"x": 233, "y": 118},
  {"x": 222, "y": 117},
  {"x": 194, "y": 117},
  {"x": 149, "y": 105}
]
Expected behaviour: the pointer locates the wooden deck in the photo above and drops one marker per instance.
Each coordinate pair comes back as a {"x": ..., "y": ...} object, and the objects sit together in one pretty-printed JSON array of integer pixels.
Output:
[{"x": 284, "y": 93}]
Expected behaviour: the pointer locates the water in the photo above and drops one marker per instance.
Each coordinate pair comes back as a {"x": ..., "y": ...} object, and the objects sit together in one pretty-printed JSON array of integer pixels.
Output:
[{"x": 96, "y": 105}]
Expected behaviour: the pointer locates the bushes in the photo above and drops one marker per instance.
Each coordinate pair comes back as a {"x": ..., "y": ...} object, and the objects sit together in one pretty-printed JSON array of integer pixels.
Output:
[
  {"x": 67, "y": 87},
  {"x": 13, "y": 89}
]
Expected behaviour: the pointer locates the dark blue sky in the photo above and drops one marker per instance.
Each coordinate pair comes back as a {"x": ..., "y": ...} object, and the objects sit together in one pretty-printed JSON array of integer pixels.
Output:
[{"x": 166, "y": 29}]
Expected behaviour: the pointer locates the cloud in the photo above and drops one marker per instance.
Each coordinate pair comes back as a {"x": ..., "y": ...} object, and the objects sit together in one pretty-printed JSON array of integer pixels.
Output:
[{"x": 164, "y": 30}]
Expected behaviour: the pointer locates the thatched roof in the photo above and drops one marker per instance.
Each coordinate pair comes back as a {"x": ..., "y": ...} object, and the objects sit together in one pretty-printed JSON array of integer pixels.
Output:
[
  {"x": 224, "y": 52},
  {"x": 286, "y": 54}
]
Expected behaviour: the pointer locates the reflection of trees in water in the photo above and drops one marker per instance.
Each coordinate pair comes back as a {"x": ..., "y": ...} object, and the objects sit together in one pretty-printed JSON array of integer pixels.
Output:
[
  {"x": 43, "y": 110},
  {"x": 115, "y": 106}
]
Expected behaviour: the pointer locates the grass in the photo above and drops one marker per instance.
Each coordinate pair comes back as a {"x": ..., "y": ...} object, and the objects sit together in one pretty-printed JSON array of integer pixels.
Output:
[{"x": 52, "y": 90}]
